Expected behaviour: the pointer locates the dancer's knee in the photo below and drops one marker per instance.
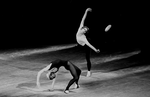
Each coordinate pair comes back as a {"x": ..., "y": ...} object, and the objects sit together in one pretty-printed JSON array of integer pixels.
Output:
[
  {"x": 80, "y": 72},
  {"x": 76, "y": 78}
]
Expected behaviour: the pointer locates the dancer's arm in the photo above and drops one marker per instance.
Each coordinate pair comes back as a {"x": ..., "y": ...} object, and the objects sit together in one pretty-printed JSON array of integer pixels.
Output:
[
  {"x": 39, "y": 74},
  {"x": 84, "y": 17},
  {"x": 52, "y": 85},
  {"x": 91, "y": 46}
]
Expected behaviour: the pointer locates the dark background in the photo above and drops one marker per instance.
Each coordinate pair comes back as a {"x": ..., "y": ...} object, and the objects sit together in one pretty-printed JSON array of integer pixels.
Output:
[{"x": 37, "y": 24}]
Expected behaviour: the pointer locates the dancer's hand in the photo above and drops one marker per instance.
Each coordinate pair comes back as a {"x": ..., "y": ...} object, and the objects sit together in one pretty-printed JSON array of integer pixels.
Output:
[
  {"x": 51, "y": 90},
  {"x": 97, "y": 51},
  {"x": 88, "y": 9},
  {"x": 38, "y": 85}
]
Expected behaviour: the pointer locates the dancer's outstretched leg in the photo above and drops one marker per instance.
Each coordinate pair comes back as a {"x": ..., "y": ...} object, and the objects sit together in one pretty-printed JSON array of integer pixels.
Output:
[{"x": 76, "y": 83}]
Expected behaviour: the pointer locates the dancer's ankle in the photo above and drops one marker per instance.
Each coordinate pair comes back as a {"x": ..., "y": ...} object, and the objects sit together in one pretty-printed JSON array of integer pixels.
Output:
[
  {"x": 76, "y": 86},
  {"x": 88, "y": 74}
]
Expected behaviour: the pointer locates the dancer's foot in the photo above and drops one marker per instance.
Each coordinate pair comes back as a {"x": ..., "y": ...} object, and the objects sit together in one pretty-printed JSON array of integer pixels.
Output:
[
  {"x": 66, "y": 91},
  {"x": 76, "y": 86},
  {"x": 88, "y": 74}
]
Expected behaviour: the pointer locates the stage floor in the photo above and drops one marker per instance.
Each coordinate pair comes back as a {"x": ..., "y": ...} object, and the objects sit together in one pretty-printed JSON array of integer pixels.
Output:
[{"x": 18, "y": 76}]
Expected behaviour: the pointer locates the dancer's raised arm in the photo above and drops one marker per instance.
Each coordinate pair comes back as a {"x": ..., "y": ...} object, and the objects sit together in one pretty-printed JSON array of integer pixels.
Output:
[{"x": 84, "y": 17}]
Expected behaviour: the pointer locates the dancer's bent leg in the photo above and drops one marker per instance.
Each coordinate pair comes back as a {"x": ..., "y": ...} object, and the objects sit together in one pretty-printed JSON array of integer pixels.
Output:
[
  {"x": 74, "y": 73},
  {"x": 76, "y": 83}
]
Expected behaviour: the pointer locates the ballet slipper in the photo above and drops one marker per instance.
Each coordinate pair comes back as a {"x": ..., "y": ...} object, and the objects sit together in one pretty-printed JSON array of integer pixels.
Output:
[
  {"x": 88, "y": 74},
  {"x": 66, "y": 91}
]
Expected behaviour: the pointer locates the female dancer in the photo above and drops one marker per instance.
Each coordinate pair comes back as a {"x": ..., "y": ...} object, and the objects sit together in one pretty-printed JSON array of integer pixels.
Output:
[
  {"x": 82, "y": 41},
  {"x": 53, "y": 69}
]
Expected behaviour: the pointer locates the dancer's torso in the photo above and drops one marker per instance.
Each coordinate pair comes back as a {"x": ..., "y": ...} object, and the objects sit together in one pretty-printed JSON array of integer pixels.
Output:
[
  {"x": 80, "y": 37},
  {"x": 58, "y": 63}
]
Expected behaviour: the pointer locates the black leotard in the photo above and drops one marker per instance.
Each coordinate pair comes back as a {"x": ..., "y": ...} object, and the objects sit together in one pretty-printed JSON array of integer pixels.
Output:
[
  {"x": 74, "y": 70},
  {"x": 58, "y": 63}
]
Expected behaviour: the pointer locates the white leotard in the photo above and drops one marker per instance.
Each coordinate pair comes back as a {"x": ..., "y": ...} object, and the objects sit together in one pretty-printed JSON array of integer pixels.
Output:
[{"x": 81, "y": 38}]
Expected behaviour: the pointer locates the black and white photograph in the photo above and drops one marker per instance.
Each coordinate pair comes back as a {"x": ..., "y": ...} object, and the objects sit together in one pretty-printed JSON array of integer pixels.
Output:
[{"x": 74, "y": 48}]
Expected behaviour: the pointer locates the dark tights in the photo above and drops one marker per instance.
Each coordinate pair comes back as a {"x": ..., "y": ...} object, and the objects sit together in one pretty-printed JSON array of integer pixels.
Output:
[
  {"x": 75, "y": 72},
  {"x": 87, "y": 55}
]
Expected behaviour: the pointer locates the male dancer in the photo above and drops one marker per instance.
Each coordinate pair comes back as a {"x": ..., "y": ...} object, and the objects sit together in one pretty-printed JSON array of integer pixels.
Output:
[
  {"x": 53, "y": 69},
  {"x": 82, "y": 41}
]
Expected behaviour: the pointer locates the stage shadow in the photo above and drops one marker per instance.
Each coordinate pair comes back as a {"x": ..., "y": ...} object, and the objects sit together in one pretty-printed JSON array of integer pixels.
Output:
[
  {"x": 130, "y": 62},
  {"x": 32, "y": 87}
]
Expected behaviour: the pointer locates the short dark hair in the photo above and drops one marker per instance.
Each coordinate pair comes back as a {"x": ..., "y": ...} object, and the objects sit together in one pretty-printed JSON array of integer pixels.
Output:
[
  {"x": 85, "y": 27},
  {"x": 52, "y": 75}
]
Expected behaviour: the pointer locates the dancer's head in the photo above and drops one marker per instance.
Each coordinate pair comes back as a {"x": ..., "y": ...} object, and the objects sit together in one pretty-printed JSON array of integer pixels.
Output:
[
  {"x": 51, "y": 75},
  {"x": 84, "y": 29}
]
